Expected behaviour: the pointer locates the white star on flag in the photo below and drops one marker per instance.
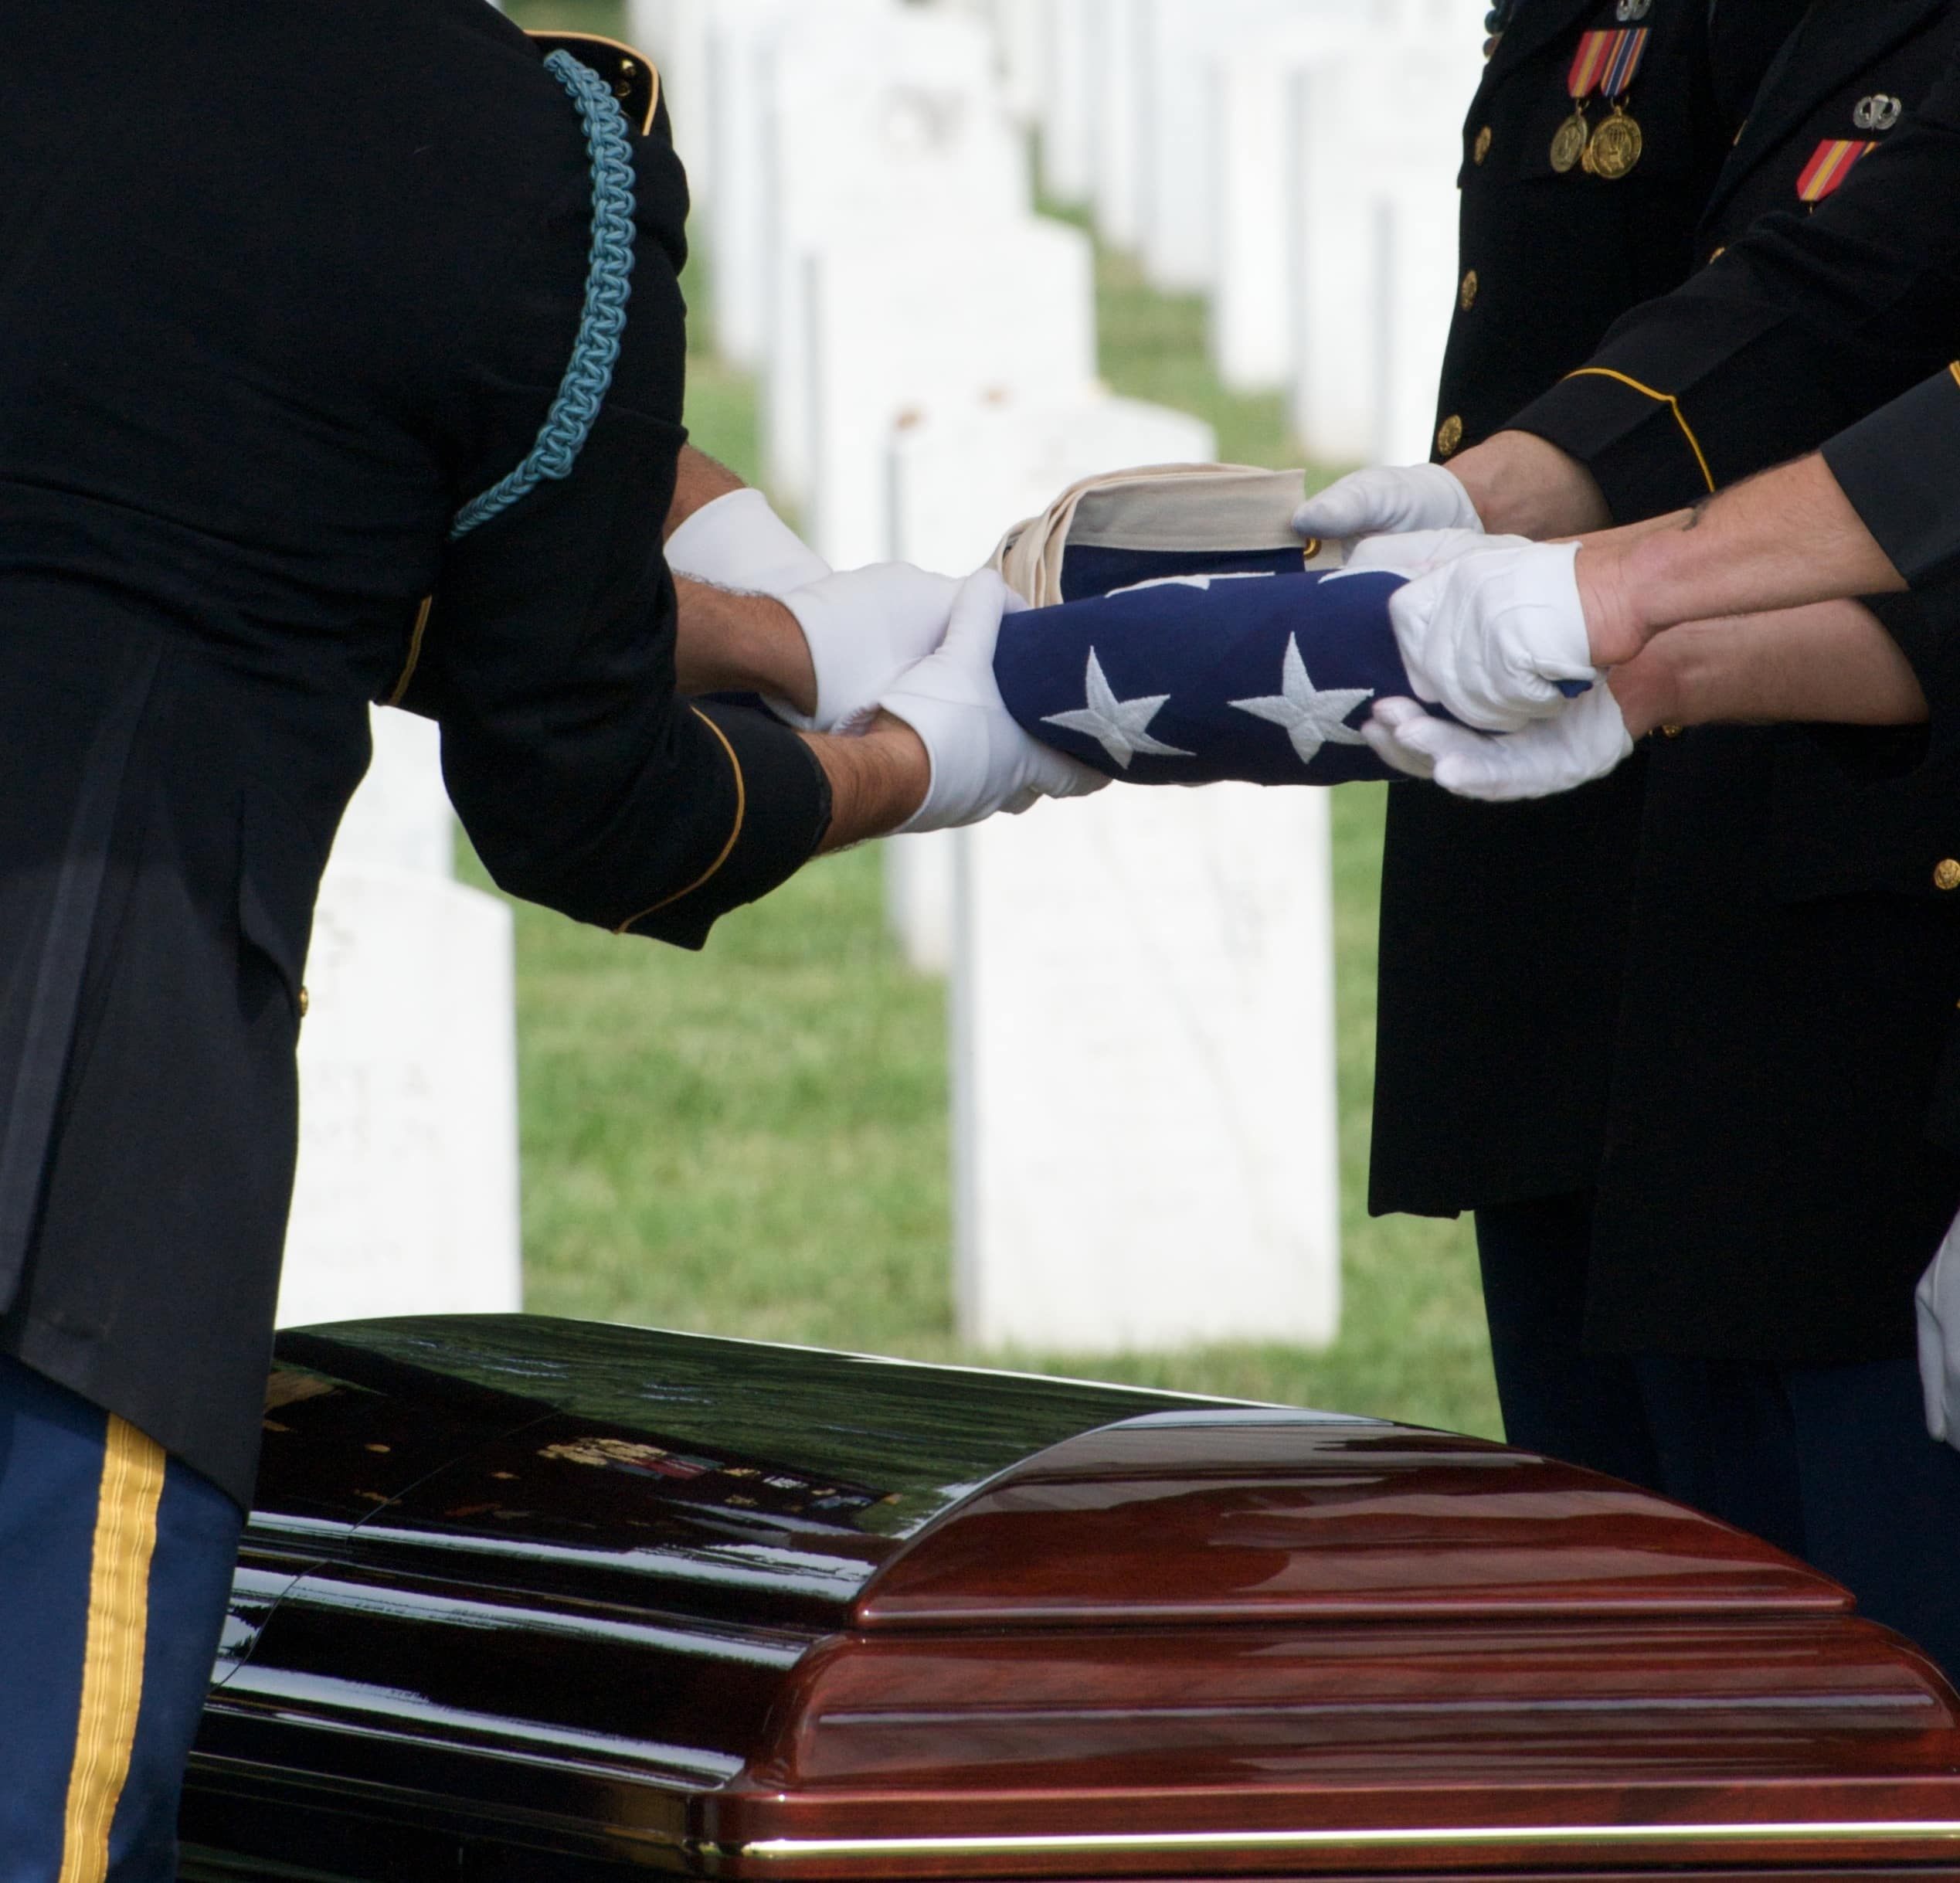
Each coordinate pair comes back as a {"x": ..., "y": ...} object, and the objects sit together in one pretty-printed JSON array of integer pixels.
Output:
[
  {"x": 1118, "y": 725},
  {"x": 1311, "y": 718}
]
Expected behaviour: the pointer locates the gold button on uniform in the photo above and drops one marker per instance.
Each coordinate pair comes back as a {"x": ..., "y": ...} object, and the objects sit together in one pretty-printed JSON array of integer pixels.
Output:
[
  {"x": 1946, "y": 875},
  {"x": 1468, "y": 298},
  {"x": 1449, "y": 435},
  {"x": 306, "y": 1001},
  {"x": 1481, "y": 149}
]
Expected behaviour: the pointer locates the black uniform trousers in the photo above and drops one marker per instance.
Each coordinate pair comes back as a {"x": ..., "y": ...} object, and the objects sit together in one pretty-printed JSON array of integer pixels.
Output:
[{"x": 117, "y": 1561}]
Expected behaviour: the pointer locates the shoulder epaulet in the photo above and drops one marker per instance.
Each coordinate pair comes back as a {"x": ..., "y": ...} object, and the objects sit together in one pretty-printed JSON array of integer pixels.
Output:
[{"x": 632, "y": 76}]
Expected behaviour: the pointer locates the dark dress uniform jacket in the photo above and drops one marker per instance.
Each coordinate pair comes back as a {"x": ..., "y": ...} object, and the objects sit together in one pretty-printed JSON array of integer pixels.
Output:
[
  {"x": 1781, "y": 1155},
  {"x": 1494, "y": 1027},
  {"x": 281, "y": 288}
]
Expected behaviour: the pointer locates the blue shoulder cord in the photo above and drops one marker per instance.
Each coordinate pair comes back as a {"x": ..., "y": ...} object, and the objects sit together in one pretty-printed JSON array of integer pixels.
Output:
[{"x": 608, "y": 282}]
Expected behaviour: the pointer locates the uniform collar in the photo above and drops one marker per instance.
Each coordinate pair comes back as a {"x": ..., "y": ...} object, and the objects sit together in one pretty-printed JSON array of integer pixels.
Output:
[{"x": 1836, "y": 40}]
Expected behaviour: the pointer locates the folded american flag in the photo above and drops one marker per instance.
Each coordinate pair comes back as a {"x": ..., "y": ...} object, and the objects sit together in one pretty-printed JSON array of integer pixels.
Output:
[{"x": 1192, "y": 640}]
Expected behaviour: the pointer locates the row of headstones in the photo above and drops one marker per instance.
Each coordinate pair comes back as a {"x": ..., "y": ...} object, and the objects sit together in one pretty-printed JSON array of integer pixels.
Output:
[
  {"x": 1293, "y": 161},
  {"x": 1144, "y": 1138}
]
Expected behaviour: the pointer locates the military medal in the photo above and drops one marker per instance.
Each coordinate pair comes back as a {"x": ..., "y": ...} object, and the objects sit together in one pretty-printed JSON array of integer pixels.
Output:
[
  {"x": 1606, "y": 62},
  {"x": 1615, "y": 146},
  {"x": 1568, "y": 144}
]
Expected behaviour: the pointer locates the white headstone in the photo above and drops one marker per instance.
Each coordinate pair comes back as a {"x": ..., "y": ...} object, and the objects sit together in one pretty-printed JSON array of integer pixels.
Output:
[
  {"x": 400, "y": 818},
  {"x": 1363, "y": 176},
  {"x": 1417, "y": 241},
  {"x": 1069, "y": 91},
  {"x": 1179, "y": 186},
  {"x": 1116, "y": 51},
  {"x": 960, "y": 480},
  {"x": 1251, "y": 326},
  {"x": 1025, "y": 33},
  {"x": 739, "y": 34},
  {"x": 674, "y": 35},
  {"x": 962, "y": 477},
  {"x": 886, "y": 119},
  {"x": 919, "y": 895},
  {"x": 1144, "y": 1114},
  {"x": 900, "y": 329},
  {"x": 405, "y": 1199}
]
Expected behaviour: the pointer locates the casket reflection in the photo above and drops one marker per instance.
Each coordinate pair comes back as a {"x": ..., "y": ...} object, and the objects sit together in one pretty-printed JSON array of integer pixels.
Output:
[{"x": 540, "y": 1600}]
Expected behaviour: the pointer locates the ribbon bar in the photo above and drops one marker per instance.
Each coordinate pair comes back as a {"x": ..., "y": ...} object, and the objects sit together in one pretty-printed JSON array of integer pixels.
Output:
[
  {"x": 1606, "y": 62},
  {"x": 1830, "y": 164}
]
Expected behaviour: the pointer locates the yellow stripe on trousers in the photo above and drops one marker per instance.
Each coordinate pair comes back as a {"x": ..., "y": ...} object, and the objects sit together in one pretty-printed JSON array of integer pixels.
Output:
[{"x": 112, "y": 1661}]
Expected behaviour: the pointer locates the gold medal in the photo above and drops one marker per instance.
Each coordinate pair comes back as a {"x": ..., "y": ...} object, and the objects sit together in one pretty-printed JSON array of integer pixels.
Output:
[
  {"x": 1569, "y": 144},
  {"x": 1615, "y": 147}
]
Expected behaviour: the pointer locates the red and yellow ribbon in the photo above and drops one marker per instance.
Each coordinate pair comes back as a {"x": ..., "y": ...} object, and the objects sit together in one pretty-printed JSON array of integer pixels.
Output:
[{"x": 1830, "y": 164}]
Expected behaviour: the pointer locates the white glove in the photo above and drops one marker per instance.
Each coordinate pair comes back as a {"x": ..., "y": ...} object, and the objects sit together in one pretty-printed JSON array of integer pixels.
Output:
[
  {"x": 864, "y": 628},
  {"x": 1415, "y": 551},
  {"x": 1937, "y": 1300},
  {"x": 1388, "y": 500},
  {"x": 737, "y": 542},
  {"x": 982, "y": 761},
  {"x": 1585, "y": 742},
  {"x": 1489, "y": 636}
]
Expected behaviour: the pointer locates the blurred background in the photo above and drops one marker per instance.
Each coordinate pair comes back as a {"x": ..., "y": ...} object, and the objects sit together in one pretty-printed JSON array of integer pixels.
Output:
[{"x": 755, "y": 1141}]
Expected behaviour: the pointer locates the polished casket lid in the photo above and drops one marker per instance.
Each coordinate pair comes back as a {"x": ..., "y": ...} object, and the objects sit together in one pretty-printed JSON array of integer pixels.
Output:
[{"x": 745, "y": 1610}]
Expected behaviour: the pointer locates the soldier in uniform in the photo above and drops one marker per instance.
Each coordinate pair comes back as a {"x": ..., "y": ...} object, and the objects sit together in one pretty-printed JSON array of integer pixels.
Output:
[
  {"x": 340, "y": 359},
  {"x": 1494, "y": 1034},
  {"x": 1777, "y": 1155},
  {"x": 1490, "y": 1096}
]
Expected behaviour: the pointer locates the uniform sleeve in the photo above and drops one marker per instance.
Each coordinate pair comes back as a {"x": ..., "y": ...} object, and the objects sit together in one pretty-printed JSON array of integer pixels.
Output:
[
  {"x": 1798, "y": 329},
  {"x": 548, "y": 651},
  {"x": 1900, "y": 468}
]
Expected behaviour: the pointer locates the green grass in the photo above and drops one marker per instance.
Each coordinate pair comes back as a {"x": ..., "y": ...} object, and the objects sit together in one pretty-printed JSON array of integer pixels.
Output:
[{"x": 753, "y": 1141}]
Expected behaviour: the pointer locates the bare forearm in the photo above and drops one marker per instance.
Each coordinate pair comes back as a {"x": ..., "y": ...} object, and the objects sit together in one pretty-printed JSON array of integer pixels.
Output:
[
  {"x": 730, "y": 642},
  {"x": 1828, "y": 662},
  {"x": 877, "y": 781},
  {"x": 1522, "y": 485},
  {"x": 1783, "y": 540}
]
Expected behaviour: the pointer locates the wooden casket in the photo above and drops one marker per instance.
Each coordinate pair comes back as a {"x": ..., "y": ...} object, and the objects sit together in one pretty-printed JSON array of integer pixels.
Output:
[{"x": 535, "y": 1599}]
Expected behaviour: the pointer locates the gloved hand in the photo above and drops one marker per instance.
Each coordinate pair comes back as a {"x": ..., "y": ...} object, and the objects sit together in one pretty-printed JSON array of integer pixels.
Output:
[
  {"x": 737, "y": 542},
  {"x": 1415, "y": 551},
  {"x": 864, "y": 628},
  {"x": 1388, "y": 499},
  {"x": 982, "y": 761},
  {"x": 1937, "y": 1300},
  {"x": 1584, "y": 742},
  {"x": 1489, "y": 636}
]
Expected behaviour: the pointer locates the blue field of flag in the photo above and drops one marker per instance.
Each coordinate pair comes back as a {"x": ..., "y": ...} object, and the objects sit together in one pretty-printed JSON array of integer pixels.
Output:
[{"x": 1192, "y": 677}]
